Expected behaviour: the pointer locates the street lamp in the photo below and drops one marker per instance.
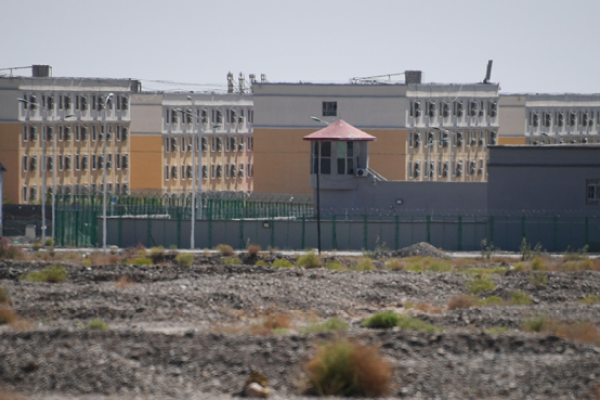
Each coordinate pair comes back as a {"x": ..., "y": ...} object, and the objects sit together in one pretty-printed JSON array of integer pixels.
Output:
[
  {"x": 110, "y": 95},
  {"x": 318, "y": 164},
  {"x": 54, "y": 175},
  {"x": 450, "y": 143},
  {"x": 43, "y": 164},
  {"x": 429, "y": 145}
]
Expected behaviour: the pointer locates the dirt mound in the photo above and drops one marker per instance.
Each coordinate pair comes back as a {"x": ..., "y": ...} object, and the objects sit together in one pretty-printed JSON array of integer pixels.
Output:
[{"x": 422, "y": 249}]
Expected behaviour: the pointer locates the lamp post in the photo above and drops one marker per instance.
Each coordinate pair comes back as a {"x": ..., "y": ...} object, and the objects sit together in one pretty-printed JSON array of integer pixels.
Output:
[
  {"x": 429, "y": 145},
  {"x": 450, "y": 144},
  {"x": 54, "y": 176},
  {"x": 104, "y": 159},
  {"x": 43, "y": 162},
  {"x": 318, "y": 165}
]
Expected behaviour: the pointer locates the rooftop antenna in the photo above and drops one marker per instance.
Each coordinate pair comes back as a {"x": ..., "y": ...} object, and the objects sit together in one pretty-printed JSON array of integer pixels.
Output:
[{"x": 488, "y": 72}]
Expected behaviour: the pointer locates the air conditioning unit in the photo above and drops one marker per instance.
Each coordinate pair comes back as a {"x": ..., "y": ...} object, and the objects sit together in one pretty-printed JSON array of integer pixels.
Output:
[{"x": 362, "y": 173}]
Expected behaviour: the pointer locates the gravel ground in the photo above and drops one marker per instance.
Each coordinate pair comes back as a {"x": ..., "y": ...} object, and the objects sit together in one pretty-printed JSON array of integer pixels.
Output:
[{"x": 179, "y": 332}]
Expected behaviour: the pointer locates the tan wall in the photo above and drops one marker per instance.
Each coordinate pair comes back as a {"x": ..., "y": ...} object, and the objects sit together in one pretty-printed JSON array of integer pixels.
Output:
[
  {"x": 282, "y": 161},
  {"x": 511, "y": 140},
  {"x": 146, "y": 162},
  {"x": 10, "y": 158}
]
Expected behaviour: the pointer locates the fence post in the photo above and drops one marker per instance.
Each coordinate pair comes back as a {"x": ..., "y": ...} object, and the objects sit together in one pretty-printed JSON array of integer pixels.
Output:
[
  {"x": 241, "y": 234},
  {"x": 120, "y": 231},
  {"x": 179, "y": 231},
  {"x": 365, "y": 232},
  {"x": 555, "y": 233},
  {"x": 76, "y": 227},
  {"x": 459, "y": 244},
  {"x": 587, "y": 232},
  {"x": 428, "y": 229},
  {"x": 491, "y": 227},
  {"x": 396, "y": 232},
  {"x": 303, "y": 232},
  {"x": 149, "y": 233},
  {"x": 272, "y": 232},
  {"x": 333, "y": 233}
]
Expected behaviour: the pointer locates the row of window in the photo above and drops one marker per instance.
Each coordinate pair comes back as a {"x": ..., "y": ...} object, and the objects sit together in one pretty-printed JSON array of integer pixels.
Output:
[
  {"x": 539, "y": 140},
  {"x": 30, "y": 193},
  {"x": 231, "y": 171},
  {"x": 186, "y": 116},
  {"x": 79, "y": 162},
  {"x": 78, "y": 102},
  {"x": 571, "y": 118},
  {"x": 474, "y": 108},
  {"x": 443, "y": 138},
  {"x": 472, "y": 168},
  {"x": 344, "y": 158},
  {"x": 184, "y": 144},
  {"x": 78, "y": 134}
]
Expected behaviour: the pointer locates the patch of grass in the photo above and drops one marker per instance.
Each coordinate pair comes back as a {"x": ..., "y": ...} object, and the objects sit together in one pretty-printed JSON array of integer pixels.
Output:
[
  {"x": 407, "y": 322},
  {"x": 428, "y": 308},
  {"x": 364, "y": 264},
  {"x": 409, "y": 304},
  {"x": 490, "y": 301},
  {"x": 440, "y": 266},
  {"x": 231, "y": 261},
  {"x": 479, "y": 283},
  {"x": 485, "y": 271},
  {"x": 272, "y": 324},
  {"x": 334, "y": 265},
  {"x": 87, "y": 262},
  {"x": 333, "y": 324},
  {"x": 157, "y": 254},
  {"x": 253, "y": 250},
  {"x": 535, "y": 324},
  {"x": 538, "y": 265},
  {"x": 427, "y": 264},
  {"x": 386, "y": 319},
  {"x": 519, "y": 298},
  {"x": 261, "y": 263},
  {"x": 310, "y": 260},
  {"x": 539, "y": 279},
  {"x": 520, "y": 267},
  {"x": 9, "y": 250},
  {"x": 346, "y": 369},
  {"x": 7, "y": 316},
  {"x": 495, "y": 330},
  {"x": 591, "y": 299},
  {"x": 584, "y": 332},
  {"x": 225, "y": 250},
  {"x": 282, "y": 263},
  {"x": 139, "y": 261},
  {"x": 184, "y": 259},
  {"x": 576, "y": 255},
  {"x": 578, "y": 265},
  {"x": 393, "y": 264},
  {"x": 98, "y": 324},
  {"x": 460, "y": 301},
  {"x": 52, "y": 274}
]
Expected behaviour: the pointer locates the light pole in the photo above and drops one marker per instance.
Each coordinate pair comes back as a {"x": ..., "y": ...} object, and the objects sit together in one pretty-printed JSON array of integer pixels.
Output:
[
  {"x": 450, "y": 144},
  {"x": 43, "y": 162},
  {"x": 429, "y": 145},
  {"x": 104, "y": 173},
  {"x": 317, "y": 154},
  {"x": 54, "y": 176}
]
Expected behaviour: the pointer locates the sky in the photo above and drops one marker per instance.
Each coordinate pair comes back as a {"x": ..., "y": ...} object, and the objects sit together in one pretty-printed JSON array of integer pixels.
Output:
[{"x": 539, "y": 46}]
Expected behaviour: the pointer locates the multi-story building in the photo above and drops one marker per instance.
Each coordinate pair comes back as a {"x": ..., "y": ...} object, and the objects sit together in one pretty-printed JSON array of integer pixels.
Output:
[
  {"x": 170, "y": 128},
  {"x": 63, "y": 124},
  {"x": 549, "y": 118},
  {"x": 402, "y": 116}
]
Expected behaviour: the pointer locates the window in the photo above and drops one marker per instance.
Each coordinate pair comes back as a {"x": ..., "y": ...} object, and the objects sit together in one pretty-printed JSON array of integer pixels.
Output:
[
  {"x": 174, "y": 144},
  {"x": 415, "y": 109},
  {"x": 93, "y": 102},
  {"x": 233, "y": 171},
  {"x": 430, "y": 109},
  {"x": 227, "y": 144},
  {"x": 204, "y": 144},
  {"x": 33, "y": 193},
  {"x": 84, "y": 133},
  {"x": 33, "y": 163},
  {"x": 325, "y": 148},
  {"x": 493, "y": 109},
  {"x": 84, "y": 103},
  {"x": 109, "y": 188},
  {"x": 109, "y": 135},
  {"x": 241, "y": 144},
  {"x": 204, "y": 172},
  {"x": 167, "y": 145},
  {"x": 77, "y": 162},
  {"x": 94, "y": 165},
  {"x": 49, "y": 133},
  {"x": 118, "y": 160},
  {"x": 593, "y": 191},
  {"x": 84, "y": 162},
  {"x": 250, "y": 143},
  {"x": 125, "y": 189},
  {"x": 125, "y": 161},
  {"x": 101, "y": 162},
  {"x": 124, "y": 104},
  {"x": 494, "y": 137},
  {"x": 204, "y": 116},
  {"x": 227, "y": 170},
  {"x": 25, "y": 164},
  {"x": 220, "y": 171},
  {"x": 219, "y": 143},
  {"x": 174, "y": 172},
  {"x": 33, "y": 133},
  {"x": 68, "y": 162},
  {"x": 241, "y": 171},
  {"x": 248, "y": 170},
  {"x": 417, "y": 139},
  {"x": 459, "y": 168},
  {"x": 94, "y": 133},
  {"x": 183, "y": 170},
  {"x": 125, "y": 135},
  {"x": 417, "y": 170},
  {"x": 472, "y": 108},
  {"x": 77, "y": 135},
  {"x": 118, "y": 132},
  {"x": 330, "y": 108},
  {"x": 572, "y": 119},
  {"x": 109, "y": 160},
  {"x": 345, "y": 158},
  {"x": 25, "y": 193},
  {"x": 458, "y": 109},
  {"x": 67, "y": 133},
  {"x": 61, "y": 164},
  {"x": 67, "y": 102},
  {"x": 189, "y": 171},
  {"x": 167, "y": 172},
  {"x": 212, "y": 171}
]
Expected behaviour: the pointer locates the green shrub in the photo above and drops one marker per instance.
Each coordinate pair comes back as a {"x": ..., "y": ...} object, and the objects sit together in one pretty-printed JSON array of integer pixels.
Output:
[
  {"x": 485, "y": 271},
  {"x": 490, "y": 301},
  {"x": 185, "y": 259},
  {"x": 415, "y": 264},
  {"x": 440, "y": 266},
  {"x": 393, "y": 264},
  {"x": 579, "y": 265},
  {"x": 577, "y": 255},
  {"x": 409, "y": 304},
  {"x": 539, "y": 279},
  {"x": 496, "y": 330},
  {"x": 225, "y": 250},
  {"x": 310, "y": 260},
  {"x": 536, "y": 324},
  {"x": 519, "y": 298},
  {"x": 98, "y": 324},
  {"x": 8, "y": 250},
  {"x": 364, "y": 265},
  {"x": 139, "y": 261},
  {"x": 479, "y": 283},
  {"x": 231, "y": 261},
  {"x": 538, "y": 265},
  {"x": 335, "y": 265},
  {"x": 386, "y": 319},
  {"x": 409, "y": 323},
  {"x": 345, "y": 369},
  {"x": 261, "y": 263},
  {"x": 157, "y": 254},
  {"x": 520, "y": 267},
  {"x": 331, "y": 325},
  {"x": 52, "y": 274},
  {"x": 591, "y": 299},
  {"x": 282, "y": 263},
  {"x": 49, "y": 242}
]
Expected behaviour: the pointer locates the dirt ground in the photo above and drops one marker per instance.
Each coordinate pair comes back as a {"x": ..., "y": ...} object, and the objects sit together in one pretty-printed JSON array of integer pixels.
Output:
[{"x": 195, "y": 332}]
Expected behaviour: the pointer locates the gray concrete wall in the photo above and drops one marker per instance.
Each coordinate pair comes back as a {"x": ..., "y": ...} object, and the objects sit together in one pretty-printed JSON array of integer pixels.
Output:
[
  {"x": 417, "y": 197},
  {"x": 548, "y": 179},
  {"x": 446, "y": 232}
]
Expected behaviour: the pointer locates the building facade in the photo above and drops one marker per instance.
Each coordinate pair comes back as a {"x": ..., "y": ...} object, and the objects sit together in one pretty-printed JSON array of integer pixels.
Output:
[
  {"x": 402, "y": 116},
  {"x": 62, "y": 124},
  {"x": 171, "y": 131}
]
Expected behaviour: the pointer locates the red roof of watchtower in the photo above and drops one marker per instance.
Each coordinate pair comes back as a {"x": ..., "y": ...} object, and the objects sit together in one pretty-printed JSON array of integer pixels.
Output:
[{"x": 340, "y": 131}]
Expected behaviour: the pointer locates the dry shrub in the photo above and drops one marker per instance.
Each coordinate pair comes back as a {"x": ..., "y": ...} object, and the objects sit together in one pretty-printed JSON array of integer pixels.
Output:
[
  {"x": 4, "y": 296},
  {"x": 347, "y": 369},
  {"x": 124, "y": 282},
  {"x": 275, "y": 323},
  {"x": 428, "y": 308},
  {"x": 226, "y": 250},
  {"x": 584, "y": 332},
  {"x": 253, "y": 249},
  {"x": 10, "y": 395},
  {"x": 460, "y": 301},
  {"x": 7, "y": 316},
  {"x": 228, "y": 329}
]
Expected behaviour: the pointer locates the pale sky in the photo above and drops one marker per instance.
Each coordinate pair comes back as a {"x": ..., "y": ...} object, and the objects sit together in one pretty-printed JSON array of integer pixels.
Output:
[{"x": 537, "y": 45}]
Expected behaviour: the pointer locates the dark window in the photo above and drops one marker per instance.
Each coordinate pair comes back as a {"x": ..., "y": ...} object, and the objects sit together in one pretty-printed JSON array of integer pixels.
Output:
[{"x": 330, "y": 108}]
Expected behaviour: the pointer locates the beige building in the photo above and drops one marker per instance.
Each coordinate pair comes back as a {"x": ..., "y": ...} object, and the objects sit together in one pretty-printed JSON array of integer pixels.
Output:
[
  {"x": 402, "y": 116},
  {"x": 49, "y": 123},
  {"x": 171, "y": 130}
]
